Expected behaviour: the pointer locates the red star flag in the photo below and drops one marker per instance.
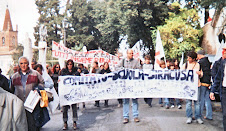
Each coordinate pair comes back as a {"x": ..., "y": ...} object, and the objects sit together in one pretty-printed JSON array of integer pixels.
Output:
[{"x": 159, "y": 51}]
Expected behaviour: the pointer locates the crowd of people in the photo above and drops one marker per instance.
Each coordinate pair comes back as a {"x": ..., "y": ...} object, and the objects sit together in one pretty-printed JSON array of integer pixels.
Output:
[{"x": 26, "y": 79}]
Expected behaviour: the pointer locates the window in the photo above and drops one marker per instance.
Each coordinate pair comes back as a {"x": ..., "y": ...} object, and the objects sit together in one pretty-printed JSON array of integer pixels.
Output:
[
  {"x": 3, "y": 41},
  {"x": 13, "y": 41}
]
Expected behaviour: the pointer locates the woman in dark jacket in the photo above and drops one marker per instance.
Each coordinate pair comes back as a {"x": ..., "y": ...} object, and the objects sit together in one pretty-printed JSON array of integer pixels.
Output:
[
  {"x": 70, "y": 70},
  {"x": 105, "y": 70},
  {"x": 55, "y": 75}
]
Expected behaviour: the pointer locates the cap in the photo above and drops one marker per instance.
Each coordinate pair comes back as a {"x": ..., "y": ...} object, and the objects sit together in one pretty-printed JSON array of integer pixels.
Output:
[{"x": 201, "y": 52}]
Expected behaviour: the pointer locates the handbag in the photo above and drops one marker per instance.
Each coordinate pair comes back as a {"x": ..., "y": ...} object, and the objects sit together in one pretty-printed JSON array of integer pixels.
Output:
[{"x": 44, "y": 100}]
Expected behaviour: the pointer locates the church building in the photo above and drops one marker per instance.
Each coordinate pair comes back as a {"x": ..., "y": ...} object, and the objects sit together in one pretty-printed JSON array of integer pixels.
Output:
[{"x": 8, "y": 43}]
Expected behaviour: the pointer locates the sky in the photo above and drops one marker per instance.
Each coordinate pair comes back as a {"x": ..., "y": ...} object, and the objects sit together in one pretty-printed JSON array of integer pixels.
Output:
[{"x": 24, "y": 13}]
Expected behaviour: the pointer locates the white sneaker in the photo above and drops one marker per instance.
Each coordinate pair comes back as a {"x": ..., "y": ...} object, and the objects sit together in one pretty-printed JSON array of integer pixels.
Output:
[
  {"x": 199, "y": 121},
  {"x": 172, "y": 106},
  {"x": 179, "y": 107},
  {"x": 189, "y": 120}
]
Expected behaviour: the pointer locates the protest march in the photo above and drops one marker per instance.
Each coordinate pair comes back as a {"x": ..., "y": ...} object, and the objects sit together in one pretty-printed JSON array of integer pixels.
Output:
[{"x": 113, "y": 65}]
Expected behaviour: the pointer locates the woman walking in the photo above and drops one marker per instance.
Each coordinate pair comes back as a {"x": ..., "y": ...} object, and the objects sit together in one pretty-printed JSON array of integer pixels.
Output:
[{"x": 70, "y": 70}]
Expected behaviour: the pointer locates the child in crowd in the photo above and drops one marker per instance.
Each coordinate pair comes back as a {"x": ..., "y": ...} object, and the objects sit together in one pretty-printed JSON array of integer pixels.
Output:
[
  {"x": 147, "y": 65},
  {"x": 172, "y": 67},
  {"x": 163, "y": 67}
]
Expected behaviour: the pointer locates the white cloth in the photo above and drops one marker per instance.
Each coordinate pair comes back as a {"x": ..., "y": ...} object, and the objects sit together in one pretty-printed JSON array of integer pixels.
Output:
[{"x": 224, "y": 79}]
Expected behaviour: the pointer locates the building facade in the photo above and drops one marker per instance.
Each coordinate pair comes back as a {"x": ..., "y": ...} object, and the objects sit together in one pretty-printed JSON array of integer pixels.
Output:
[{"x": 8, "y": 43}]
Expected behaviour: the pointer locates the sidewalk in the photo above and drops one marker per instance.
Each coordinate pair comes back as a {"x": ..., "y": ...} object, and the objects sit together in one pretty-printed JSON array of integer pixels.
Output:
[{"x": 155, "y": 118}]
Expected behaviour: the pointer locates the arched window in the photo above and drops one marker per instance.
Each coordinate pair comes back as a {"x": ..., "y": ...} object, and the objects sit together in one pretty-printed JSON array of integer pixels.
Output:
[
  {"x": 3, "y": 41},
  {"x": 13, "y": 41}
]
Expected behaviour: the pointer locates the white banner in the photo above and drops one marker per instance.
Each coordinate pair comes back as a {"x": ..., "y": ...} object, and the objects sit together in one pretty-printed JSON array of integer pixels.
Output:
[
  {"x": 60, "y": 51},
  {"x": 129, "y": 83},
  {"x": 159, "y": 51}
]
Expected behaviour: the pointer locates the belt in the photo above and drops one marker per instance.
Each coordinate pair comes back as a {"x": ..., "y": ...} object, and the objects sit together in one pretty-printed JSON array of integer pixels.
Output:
[{"x": 205, "y": 84}]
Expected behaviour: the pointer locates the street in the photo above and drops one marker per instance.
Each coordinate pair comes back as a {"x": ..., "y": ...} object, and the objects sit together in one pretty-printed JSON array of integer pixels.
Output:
[{"x": 110, "y": 118}]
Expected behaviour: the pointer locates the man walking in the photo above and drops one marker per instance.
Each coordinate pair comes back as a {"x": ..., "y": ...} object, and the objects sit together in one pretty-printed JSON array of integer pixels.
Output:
[
  {"x": 220, "y": 84},
  {"x": 130, "y": 63},
  {"x": 23, "y": 82},
  {"x": 205, "y": 84}
]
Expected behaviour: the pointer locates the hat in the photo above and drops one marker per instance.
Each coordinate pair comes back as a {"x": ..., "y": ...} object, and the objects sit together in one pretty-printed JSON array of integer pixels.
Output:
[{"x": 201, "y": 52}]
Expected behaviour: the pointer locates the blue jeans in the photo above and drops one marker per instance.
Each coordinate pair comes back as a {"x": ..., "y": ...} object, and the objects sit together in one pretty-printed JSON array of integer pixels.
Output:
[
  {"x": 160, "y": 101},
  {"x": 126, "y": 108},
  {"x": 177, "y": 101},
  {"x": 205, "y": 100},
  {"x": 197, "y": 107},
  {"x": 166, "y": 100}
]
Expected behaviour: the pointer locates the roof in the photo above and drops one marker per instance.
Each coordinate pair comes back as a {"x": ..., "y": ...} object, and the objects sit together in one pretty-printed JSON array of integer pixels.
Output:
[{"x": 7, "y": 22}]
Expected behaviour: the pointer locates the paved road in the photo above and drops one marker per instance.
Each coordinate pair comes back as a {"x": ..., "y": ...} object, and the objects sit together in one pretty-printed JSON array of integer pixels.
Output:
[{"x": 152, "y": 119}]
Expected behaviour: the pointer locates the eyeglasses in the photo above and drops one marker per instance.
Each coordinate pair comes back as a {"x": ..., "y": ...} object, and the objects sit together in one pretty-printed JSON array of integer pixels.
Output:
[
  {"x": 57, "y": 67},
  {"x": 23, "y": 63},
  {"x": 69, "y": 64}
]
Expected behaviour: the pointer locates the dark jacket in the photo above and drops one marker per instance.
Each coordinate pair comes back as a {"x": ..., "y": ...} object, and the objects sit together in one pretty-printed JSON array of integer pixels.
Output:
[
  {"x": 40, "y": 114},
  {"x": 55, "y": 77},
  {"x": 219, "y": 78},
  {"x": 84, "y": 71},
  {"x": 74, "y": 72},
  {"x": 215, "y": 68},
  {"x": 4, "y": 83},
  {"x": 205, "y": 66},
  {"x": 103, "y": 71}
]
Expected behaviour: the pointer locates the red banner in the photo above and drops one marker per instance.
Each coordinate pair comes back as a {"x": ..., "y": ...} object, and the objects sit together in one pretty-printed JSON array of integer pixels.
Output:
[{"x": 60, "y": 51}]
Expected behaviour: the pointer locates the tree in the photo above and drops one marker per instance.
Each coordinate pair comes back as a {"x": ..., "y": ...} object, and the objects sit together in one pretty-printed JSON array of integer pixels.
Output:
[
  {"x": 19, "y": 52},
  {"x": 107, "y": 22},
  {"x": 81, "y": 30},
  {"x": 50, "y": 16},
  {"x": 206, "y": 4},
  {"x": 139, "y": 18},
  {"x": 181, "y": 32},
  {"x": 133, "y": 18},
  {"x": 15, "y": 56}
]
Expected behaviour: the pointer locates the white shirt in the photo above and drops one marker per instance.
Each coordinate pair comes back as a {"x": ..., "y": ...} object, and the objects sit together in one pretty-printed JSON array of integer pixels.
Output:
[{"x": 224, "y": 79}]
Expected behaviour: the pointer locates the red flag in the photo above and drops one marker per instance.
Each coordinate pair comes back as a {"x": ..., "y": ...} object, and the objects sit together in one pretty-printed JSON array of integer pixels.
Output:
[{"x": 209, "y": 19}]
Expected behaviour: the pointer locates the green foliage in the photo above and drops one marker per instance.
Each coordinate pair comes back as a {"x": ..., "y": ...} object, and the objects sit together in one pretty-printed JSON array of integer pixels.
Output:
[
  {"x": 18, "y": 53},
  {"x": 81, "y": 29},
  {"x": 133, "y": 18},
  {"x": 51, "y": 18},
  {"x": 101, "y": 24},
  {"x": 217, "y": 4},
  {"x": 140, "y": 17},
  {"x": 181, "y": 32}
]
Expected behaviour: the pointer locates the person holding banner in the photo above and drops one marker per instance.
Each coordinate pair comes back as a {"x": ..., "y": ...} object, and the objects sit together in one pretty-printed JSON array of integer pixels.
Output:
[
  {"x": 130, "y": 63},
  {"x": 105, "y": 70},
  {"x": 23, "y": 82},
  {"x": 96, "y": 70},
  {"x": 82, "y": 71},
  {"x": 70, "y": 70},
  {"x": 172, "y": 100},
  {"x": 192, "y": 64},
  {"x": 148, "y": 65},
  {"x": 55, "y": 75}
]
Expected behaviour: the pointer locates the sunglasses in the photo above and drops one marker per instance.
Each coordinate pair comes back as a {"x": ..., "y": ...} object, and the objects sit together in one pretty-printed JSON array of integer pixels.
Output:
[
  {"x": 57, "y": 67},
  {"x": 69, "y": 64},
  {"x": 23, "y": 63}
]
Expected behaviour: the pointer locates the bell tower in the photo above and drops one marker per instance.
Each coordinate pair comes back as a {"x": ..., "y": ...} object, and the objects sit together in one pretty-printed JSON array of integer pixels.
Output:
[{"x": 8, "y": 37}]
